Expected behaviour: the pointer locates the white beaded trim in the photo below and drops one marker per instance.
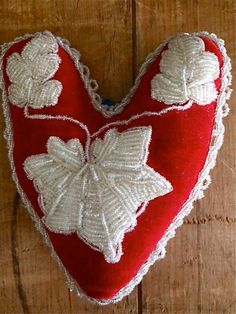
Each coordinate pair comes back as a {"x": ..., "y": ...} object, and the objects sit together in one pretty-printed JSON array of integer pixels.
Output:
[
  {"x": 197, "y": 192},
  {"x": 31, "y": 71},
  {"x": 98, "y": 198}
]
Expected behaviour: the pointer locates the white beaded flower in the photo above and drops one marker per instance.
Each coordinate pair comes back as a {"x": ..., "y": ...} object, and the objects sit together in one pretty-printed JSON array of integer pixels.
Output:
[
  {"x": 187, "y": 72},
  {"x": 97, "y": 198},
  {"x": 31, "y": 71}
]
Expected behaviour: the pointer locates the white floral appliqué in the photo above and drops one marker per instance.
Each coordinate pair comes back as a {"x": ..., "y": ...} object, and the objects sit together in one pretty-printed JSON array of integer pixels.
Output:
[
  {"x": 99, "y": 198},
  {"x": 31, "y": 71},
  {"x": 187, "y": 72}
]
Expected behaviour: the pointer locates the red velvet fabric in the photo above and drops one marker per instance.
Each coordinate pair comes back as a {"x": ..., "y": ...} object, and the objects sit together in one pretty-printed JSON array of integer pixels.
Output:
[{"x": 178, "y": 150}]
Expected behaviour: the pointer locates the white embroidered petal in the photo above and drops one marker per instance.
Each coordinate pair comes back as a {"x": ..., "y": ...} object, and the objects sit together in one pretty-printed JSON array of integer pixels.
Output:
[
  {"x": 97, "y": 198},
  {"x": 30, "y": 71},
  {"x": 169, "y": 67},
  {"x": 145, "y": 186},
  {"x": 42, "y": 171},
  {"x": 69, "y": 155},
  {"x": 48, "y": 174},
  {"x": 65, "y": 213},
  {"x": 41, "y": 55},
  {"x": 202, "y": 93},
  {"x": 17, "y": 70},
  {"x": 18, "y": 95},
  {"x": 51, "y": 180},
  {"x": 184, "y": 65},
  {"x": 182, "y": 50},
  {"x": 171, "y": 92},
  {"x": 186, "y": 44},
  {"x": 53, "y": 174},
  {"x": 200, "y": 74},
  {"x": 36, "y": 165},
  {"x": 105, "y": 219},
  {"x": 43, "y": 44},
  {"x": 126, "y": 150},
  {"x": 44, "y": 94},
  {"x": 44, "y": 67}
]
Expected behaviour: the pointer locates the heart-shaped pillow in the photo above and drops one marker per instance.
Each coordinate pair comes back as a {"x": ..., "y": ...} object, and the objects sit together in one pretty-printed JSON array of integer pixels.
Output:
[{"x": 107, "y": 185}]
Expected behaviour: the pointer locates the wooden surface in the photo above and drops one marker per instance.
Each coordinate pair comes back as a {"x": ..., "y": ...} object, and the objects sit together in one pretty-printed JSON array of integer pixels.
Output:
[{"x": 114, "y": 37}]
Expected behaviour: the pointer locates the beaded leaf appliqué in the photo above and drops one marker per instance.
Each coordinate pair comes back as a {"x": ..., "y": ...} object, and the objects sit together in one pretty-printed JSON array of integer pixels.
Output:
[
  {"x": 99, "y": 198},
  {"x": 187, "y": 72},
  {"x": 31, "y": 71}
]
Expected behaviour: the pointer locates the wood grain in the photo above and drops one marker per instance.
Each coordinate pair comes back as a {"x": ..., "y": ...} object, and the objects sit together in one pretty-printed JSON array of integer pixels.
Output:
[{"x": 114, "y": 37}]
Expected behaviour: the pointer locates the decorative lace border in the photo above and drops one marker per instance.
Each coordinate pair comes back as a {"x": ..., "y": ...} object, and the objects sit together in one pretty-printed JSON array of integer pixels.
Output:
[{"x": 197, "y": 192}]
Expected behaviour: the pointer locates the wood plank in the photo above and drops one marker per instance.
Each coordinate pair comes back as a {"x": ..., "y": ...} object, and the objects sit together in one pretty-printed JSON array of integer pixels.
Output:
[
  {"x": 200, "y": 277},
  {"x": 102, "y": 31},
  {"x": 198, "y": 274}
]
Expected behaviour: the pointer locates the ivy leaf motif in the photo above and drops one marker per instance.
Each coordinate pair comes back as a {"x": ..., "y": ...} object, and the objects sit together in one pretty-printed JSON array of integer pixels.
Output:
[
  {"x": 98, "y": 199},
  {"x": 31, "y": 71},
  {"x": 187, "y": 72}
]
